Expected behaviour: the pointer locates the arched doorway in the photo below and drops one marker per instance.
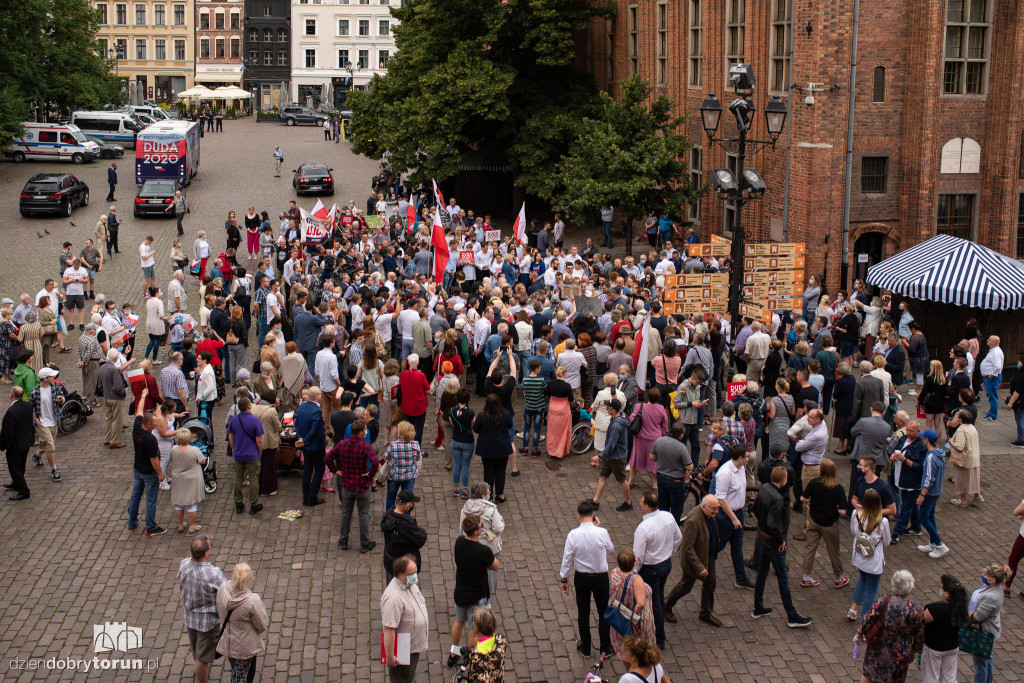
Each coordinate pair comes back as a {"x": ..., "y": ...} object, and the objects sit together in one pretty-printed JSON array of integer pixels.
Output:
[{"x": 867, "y": 251}]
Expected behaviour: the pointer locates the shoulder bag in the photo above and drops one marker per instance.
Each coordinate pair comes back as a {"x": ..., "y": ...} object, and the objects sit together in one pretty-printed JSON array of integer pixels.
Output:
[
  {"x": 975, "y": 641},
  {"x": 227, "y": 617},
  {"x": 619, "y": 617},
  {"x": 637, "y": 422},
  {"x": 875, "y": 630}
]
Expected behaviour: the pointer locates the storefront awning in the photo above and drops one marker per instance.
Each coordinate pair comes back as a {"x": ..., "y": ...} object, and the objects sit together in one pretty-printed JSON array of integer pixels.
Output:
[{"x": 218, "y": 73}]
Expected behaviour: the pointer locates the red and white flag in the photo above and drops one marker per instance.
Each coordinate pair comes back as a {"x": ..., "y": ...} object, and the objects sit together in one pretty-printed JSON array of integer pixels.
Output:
[
  {"x": 519, "y": 227},
  {"x": 440, "y": 243},
  {"x": 640, "y": 350},
  {"x": 437, "y": 194},
  {"x": 319, "y": 211}
]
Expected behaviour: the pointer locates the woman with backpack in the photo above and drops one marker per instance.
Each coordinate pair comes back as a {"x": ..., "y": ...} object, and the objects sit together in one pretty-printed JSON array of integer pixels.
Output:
[
  {"x": 460, "y": 417},
  {"x": 870, "y": 536}
]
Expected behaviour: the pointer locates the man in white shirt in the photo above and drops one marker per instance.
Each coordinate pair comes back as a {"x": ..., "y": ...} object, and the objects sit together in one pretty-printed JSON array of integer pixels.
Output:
[
  {"x": 757, "y": 348},
  {"x": 655, "y": 539},
  {"x": 573, "y": 361},
  {"x": 51, "y": 290},
  {"x": 731, "y": 491},
  {"x": 586, "y": 550},
  {"x": 146, "y": 256},
  {"x": 74, "y": 280},
  {"x": 326, "y": 365},
  {"x": 992, "y": 374},
  {"x": 406, "y": 319},
  {"x": 177, "y": 299}
]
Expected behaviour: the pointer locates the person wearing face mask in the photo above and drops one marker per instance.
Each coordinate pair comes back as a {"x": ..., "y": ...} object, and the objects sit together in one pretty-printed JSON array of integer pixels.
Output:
[
  {"x": 811, "y": 295},
  {"x": 404, "y": 614}
]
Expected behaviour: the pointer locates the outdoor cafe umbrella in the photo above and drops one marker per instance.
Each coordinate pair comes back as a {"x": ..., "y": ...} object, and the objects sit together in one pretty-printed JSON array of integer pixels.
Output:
[{"x": 231, "y": 92}]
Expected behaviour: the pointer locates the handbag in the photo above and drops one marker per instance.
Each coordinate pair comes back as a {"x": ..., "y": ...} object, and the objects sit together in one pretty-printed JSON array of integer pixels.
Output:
[
  {"x": 231, "y": 337},
  {"x": 622, "y": 619},
  {"x": 381, "y": 478},
  {"x": 217, "y": 655},
  {"x": 875, "y": 630},
  {"x": 637, "y": 423},
  {"x": 977, "y": 642}
]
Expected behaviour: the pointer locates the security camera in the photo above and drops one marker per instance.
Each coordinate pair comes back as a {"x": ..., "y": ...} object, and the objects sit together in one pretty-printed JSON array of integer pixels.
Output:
[{"x": 809, "y": 100}]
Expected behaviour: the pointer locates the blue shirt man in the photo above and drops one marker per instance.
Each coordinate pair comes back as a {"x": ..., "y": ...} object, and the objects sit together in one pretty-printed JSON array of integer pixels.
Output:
[
  {"x": 312, "y": 439},
  {"x": 547, "y": 366},
  {"x": 931, "y": 488}
]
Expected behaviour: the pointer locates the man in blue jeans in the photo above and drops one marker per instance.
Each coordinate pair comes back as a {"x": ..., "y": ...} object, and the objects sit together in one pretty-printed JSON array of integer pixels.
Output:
[
  {"x": 731, "y": 490},
  {"x": 772, "y": 514},
  {"x": 148, "y": 474},
  {"x": 655, "y": 539},
  {"x": 908, "y": 465},
  {"x": 934, "y": 467},
  {"x": 991, "y": 369},
  {"x": 312, "y": 439},
  {"x": 674, "y": 467}
]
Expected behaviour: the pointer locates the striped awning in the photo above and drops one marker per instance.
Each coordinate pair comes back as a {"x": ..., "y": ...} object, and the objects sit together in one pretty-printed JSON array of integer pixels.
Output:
[{"x": 950, "y": 270}]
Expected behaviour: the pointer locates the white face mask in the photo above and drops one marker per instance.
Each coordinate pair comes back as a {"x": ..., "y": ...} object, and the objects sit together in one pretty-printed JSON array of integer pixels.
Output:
[{"x": 412, "y": 579}]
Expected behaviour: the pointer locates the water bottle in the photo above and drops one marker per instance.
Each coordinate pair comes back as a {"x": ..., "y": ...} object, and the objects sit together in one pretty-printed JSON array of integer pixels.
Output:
[{"x": 856, "y": 648}]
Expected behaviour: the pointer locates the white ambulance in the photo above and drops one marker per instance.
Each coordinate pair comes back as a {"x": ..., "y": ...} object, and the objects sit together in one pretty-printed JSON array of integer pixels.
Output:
[{"x": 50, "y": 141}]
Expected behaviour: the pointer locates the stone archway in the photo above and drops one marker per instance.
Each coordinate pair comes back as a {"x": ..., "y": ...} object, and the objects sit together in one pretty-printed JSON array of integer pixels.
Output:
[{"x": 869, "y": 244}]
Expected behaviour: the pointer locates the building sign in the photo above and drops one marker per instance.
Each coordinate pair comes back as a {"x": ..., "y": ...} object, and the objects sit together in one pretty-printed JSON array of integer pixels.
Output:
[{"x": 960, "y": 155}]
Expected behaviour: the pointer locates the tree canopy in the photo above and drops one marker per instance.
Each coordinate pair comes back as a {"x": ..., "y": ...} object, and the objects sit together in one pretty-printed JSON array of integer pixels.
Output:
[
  {"x": 629, "y": 154},
  {"x": 491, "y": 75},
  {"x": 50, "y": 61}
]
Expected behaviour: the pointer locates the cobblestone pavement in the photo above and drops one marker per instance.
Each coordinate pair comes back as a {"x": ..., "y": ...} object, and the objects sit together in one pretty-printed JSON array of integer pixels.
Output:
[{"x": 69, "y": 562}]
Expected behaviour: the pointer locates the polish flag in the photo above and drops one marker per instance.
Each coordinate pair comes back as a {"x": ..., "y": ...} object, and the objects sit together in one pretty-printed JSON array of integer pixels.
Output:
[
  {"x": 410, "y": 218},
  {"x": 441, "y": 252},
  {"x": 640, "y": 350},
  {"x": 519, "y": 227},
  {"x": 437, "y": 193},
  {"x": 319, "y": 211}
]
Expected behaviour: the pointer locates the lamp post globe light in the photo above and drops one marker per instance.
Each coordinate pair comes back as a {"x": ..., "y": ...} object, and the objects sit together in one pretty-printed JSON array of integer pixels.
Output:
[{"x": 745, "y": 183}]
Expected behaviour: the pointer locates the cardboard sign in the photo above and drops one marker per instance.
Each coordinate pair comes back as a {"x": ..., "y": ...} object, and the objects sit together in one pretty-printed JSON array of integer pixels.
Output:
[
  {"x": 778, "y": 277},
  {"x": 784, "y": 249},
  {"x": 773, "y": 291},
  {"x": 569, "y": 291},
  {"x": 715, "y": 249},
  {"x": 756, "y": 313},
  {"x": 492, "y": 236},
  {"x": 697, "y": 280},
  {"x": 774, "y": 263},
  {"x": 589, "y": 304},
  {"x": 734, "y": 389},
  {"x": 374, "y": 221},
  {"x": 466, "y": 256}
]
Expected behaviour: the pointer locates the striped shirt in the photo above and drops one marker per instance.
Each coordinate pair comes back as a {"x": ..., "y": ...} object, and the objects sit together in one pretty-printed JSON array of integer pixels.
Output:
[
  {"x": 172, "y": 379},
  {"x": 534, "y": 389},
  {"x": 199, "y": 582}
]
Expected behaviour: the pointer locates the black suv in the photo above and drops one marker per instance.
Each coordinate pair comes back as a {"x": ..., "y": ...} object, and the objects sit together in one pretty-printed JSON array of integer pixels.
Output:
[
  {"x": 313, "y": 179},
  {"x": 53, "y": 193},
  {"x": 294, "y": 115}
]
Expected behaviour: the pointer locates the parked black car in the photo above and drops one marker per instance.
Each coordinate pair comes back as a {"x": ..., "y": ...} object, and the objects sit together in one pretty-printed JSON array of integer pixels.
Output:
[
  {"x": 313, "y": 179},
  {"x": 294, "y": 115},
  {"x": 154, "y": 197},
  {"x": 53, "y": 193},
  {"x": 108, "y": 149}
]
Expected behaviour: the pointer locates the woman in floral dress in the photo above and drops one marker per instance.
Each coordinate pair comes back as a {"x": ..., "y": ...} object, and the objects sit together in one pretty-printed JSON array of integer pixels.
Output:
[
  {"x": 8, "y": 335},
  {"x": 888, "y": 656},
  {"x": 638, "y": 597},
  {"x": 31, "y": 337}
]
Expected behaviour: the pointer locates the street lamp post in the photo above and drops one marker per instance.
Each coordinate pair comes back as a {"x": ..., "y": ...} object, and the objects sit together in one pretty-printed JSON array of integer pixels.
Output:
[
  {"x": 352, "y": 70},
  {"x": 745, "y": 184}
]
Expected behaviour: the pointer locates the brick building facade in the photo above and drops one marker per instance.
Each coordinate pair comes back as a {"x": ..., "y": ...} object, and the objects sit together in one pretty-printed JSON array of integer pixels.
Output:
[{"x": 937, "y": 125}]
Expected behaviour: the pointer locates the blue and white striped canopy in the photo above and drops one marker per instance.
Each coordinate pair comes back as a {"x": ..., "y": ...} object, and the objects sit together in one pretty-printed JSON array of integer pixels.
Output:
[{"x": 954, "y": 271}]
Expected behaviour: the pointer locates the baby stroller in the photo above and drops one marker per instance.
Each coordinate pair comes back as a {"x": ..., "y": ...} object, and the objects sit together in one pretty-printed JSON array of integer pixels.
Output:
[
  {"x": 72, "y": 413},
  {"x": 581, "y": 438},
  {"x": 202, "y": 438}
]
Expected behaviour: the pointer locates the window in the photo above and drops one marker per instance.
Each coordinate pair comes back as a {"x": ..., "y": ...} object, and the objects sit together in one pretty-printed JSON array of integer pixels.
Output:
[
  {"x": 1020, "y": 228},
  {"x": 179, "y": 15},
  {"x": 140, "y": 48},
  {"x": 695, "y": 62},
  {"x": 282, "y": 58},
  {"x": 873, "y": 171},
  {"x": 384, "y": 27},
  {"x": 268, "y": 35},
  {"x": 662, "y": 14},
  {"x": 955, "y": 215},
  {"x": 219, "y": 48},
  {"x": 310, "y": 27},
  {"x": 204, "y": 48},
  {"x": 267, "y": 12},
  {"x": 696, "y": 180},
  {"x": 364, "y": 2},
  {"x": 364, "y": 59},
  {"x": 253, "y": 56},
  {"x": 140, "y": 15},
  {"x": 102, "y": 10},
  {"x": 382, "y": 59},
  {"x": 254, "y": 35},
  {"x": 218, "y": 21},
  {"x": 235, "y": 21},
  {"x": 236, "y": 48},
  {"x": 878, "y": 91},
  {"x": 179, "y": 50},
  {"x": 268, "y": 58},
  {"x": 342, "y": 58},
  {"x": 342, "y": 27},
  {"x": 160, "y": 15},
  {"x": 735, "y": 11},
  {"x": 966, "y": 53},
  {"x": 204, "y": 21},
  {"x": 121, "y": 48},
  {"x": 102, "y": 48},
  {"x": 781, "y": 38},
  {"x": 282, "y": 35},
  {"x": 121, "y": 15},
  {"x": 364, "y": 27},
  {"x": 160, "y": 48},
  {"x": 310, "y": 59},
  {"x": 384, "y": 2},
  {"x": 610, "y": 48},
  {"x": 634, "y": 42}
]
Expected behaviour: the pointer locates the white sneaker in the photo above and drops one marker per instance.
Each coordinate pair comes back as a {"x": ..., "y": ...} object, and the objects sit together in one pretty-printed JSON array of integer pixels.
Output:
[
  {"x": 912, "y": 392},
  {"x": 926, "y": 548},
  {"x": 939, "y": 551}
]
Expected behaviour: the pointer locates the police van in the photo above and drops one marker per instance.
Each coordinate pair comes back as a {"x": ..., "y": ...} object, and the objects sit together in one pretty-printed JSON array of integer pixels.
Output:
[
  {"x": 112, "y": 126},
  {"x": 50, "y": 141},
  {"x": 156, "y": 113}
]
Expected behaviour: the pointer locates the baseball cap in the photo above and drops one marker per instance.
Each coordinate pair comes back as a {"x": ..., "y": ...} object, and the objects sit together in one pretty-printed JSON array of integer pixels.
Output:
[
  {"x": 406, "y": 497},
  {"x": 930, "y": 434},
  {"x": 47, "y": 372}
]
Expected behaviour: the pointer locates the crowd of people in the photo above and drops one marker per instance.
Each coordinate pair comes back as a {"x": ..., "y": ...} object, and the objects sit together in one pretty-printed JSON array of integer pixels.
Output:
[{"x": 364, "y": 335}]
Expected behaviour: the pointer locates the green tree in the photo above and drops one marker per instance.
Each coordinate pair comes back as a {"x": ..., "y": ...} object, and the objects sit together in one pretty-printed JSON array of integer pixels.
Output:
[
  {"x": 629, "y": 155},
  {"x": 497, "y": 76},
  {"x": 50, "y": 62}
]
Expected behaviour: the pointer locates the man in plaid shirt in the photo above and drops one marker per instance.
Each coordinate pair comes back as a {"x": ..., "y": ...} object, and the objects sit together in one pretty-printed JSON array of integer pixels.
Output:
[
  {"x": 199, "y": 580},
  {"x": 355, "y": 463},
  {"x": 172, "y": 383}
]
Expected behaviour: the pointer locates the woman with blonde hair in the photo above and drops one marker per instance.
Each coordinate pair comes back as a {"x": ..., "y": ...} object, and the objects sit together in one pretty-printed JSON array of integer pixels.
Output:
[
  {"x": 643, "y": 660},
  {"x": 404, "y": 454},
  {"x": 625, "y": 585},
  {"x": 241, "y": 641},
  {"x": 932, "y": 398},
  {"x": 186, "y": 470},
  {"x": 983, "y": 608},
  {"x": 31, "y": 337}
]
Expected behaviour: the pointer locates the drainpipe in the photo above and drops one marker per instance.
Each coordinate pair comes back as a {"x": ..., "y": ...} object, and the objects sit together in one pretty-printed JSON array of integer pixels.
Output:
[
  {"x": 849, "y": 148},
  {"x": 789, "y": 128}
]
